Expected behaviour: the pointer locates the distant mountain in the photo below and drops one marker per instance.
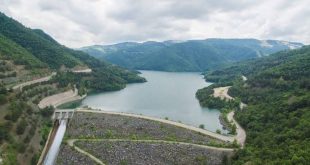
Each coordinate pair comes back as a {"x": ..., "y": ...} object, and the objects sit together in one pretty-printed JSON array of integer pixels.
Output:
[{"x": 191, "y": 55}]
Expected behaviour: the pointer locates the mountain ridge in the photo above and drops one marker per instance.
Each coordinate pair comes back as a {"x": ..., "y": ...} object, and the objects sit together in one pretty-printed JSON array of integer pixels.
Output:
[{"x": 188, "y": 55}]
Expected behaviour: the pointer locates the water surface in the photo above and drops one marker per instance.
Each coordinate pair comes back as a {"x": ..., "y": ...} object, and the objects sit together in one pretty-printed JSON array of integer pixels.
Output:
[{"x": 165, "y": 94}]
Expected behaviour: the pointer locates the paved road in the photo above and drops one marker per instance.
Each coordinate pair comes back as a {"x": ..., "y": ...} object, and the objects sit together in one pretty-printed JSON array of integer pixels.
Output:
[
  {"x": 203, "y": 131},
  {"x": 20, "y": 86}
]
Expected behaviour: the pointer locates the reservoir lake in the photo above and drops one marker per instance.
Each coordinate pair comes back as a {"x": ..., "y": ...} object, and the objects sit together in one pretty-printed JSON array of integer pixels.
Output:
[{"x": 165, "y": 94}]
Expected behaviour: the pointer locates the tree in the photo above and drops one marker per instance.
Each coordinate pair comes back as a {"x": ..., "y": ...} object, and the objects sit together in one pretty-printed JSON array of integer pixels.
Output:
[
  {"x": 233, "y": 129},
  {"x": 47, "y": 111},
  {"x": 202, "y": 126},
  {"x": 21, "y": 126}
]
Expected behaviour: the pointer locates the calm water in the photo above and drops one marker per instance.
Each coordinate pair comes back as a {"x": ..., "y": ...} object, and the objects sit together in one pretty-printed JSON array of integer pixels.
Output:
[{"x": 166, "y": 94}]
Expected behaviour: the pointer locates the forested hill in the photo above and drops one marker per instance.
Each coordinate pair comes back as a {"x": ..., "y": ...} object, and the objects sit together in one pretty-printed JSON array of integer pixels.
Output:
[
  {"x": 192, "y": 55},
  {"x": 39, "y": 44},
  {"x": 25, "y": 55},
  {"x": 38, "y": 53},
  {"x": 277, "y": 119}
]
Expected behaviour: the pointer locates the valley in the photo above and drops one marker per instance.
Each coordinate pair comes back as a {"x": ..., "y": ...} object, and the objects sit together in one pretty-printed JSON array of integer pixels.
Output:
[
  {"x": 95, "y": 125},
  {"x": 154, "y": 83}
]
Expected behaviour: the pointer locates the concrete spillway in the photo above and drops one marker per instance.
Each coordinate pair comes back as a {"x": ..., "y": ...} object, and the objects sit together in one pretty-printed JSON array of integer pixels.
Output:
[{"x": 52, "y": 154}]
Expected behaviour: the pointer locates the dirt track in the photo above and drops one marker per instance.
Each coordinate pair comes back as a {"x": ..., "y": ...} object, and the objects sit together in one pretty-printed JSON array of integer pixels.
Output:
[{"x": 222, "y": 92}]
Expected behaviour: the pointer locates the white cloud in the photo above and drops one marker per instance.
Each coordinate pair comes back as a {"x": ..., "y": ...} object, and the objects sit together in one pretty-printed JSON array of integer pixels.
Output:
[{"x": 77, "y": 23}]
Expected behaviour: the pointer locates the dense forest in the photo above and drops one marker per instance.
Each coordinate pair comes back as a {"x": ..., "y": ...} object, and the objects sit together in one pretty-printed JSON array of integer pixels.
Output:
[
  {"x": 277, "y": 116},
  {"x": 37, "y": 43},
  {"x": 192, "y": 55}
]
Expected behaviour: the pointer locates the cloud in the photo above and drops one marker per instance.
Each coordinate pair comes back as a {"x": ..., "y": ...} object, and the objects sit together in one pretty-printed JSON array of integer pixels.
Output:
[{"x": 77, "y": 23}]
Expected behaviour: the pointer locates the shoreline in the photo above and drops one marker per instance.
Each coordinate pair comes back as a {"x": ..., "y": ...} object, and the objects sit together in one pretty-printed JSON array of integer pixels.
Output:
[
  {"x": 193, "y": 128},
  {"x": 222, "y": 92}
]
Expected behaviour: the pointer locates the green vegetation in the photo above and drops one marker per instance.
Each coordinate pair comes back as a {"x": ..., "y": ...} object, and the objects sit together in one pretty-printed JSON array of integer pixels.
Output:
[
  {"x": 16, "y": 110},
  {"x": 70, "y": 105},
  {"x": 3, "y": 93},
  {"x": 11, "y": 51},
  {"x": 21, "y": 126},
  {"x": 206, "y": 99},
  {"x": 47, "y": 51},
  {"x": 18, "y": 127},
  {"x": 27, "y": 54},
  {"x": 100, "y": 79},
  {"x": 202, "y": 160},
  {"x": 229, "y": 125},
  {"x": 202, "y": 126},
  {"x": 36, "y": 49},
  {"x": 193, "y": 55},
  {"x": 277, "y": 116}
]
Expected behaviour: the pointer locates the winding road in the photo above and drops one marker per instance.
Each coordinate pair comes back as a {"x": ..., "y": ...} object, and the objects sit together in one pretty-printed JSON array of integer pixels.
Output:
[
  {"x": 241, "y": 135},
  {"x": 70, "y": 142},
  {"x": 43, "y": 79},
  {"x": 222, "y": 92}
]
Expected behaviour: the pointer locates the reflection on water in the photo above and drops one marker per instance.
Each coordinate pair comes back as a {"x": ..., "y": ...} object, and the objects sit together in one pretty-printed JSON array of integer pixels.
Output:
[{"x": 166, "y": 94}]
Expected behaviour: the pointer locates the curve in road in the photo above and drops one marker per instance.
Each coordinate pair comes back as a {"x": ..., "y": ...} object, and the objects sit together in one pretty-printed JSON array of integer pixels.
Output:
[{"x": 222, "y": 92}]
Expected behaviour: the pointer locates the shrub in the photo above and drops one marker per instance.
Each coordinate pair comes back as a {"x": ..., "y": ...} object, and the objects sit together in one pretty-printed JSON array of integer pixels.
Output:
[
  {"x": 21, "y": 126},
  {"x": 202, "y": 126}
]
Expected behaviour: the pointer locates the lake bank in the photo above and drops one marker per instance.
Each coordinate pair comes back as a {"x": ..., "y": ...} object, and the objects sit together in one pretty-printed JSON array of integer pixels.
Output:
[{"x": 164, "y": 95}]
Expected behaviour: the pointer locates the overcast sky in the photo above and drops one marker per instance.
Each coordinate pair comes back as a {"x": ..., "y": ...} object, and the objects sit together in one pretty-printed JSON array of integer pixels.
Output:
[{"x": 77, "y": 23}]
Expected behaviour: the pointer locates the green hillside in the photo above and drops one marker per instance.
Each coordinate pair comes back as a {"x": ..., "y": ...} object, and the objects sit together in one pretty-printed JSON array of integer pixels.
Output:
[
  {"x": 27, "y": 54},
  {"x": 192, "y": 55},
  {"x": 11, "y": 51},
  {"x": 38, "y": 43},
  {"x": 277, "y": 117},
  {"x": 36, "y": 49}
]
